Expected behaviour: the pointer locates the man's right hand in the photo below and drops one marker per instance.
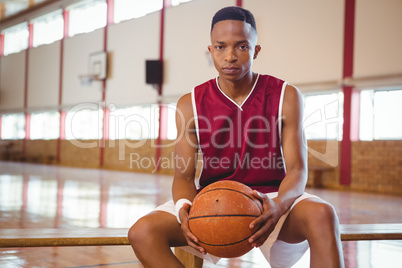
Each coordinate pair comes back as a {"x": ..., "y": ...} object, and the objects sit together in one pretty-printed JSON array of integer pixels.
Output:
[{"x": 192, "y": 240}]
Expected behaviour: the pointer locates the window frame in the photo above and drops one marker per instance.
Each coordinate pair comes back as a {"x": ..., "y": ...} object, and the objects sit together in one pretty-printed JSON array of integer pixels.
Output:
[
  {"x": 75, "y": 28},
  {"x": 372, "y": 127},
  {"x": 50, "y": 17},
  {"x": 18, "y": 129},
  {"x": 339, "y": 119},
  {"x": 9, "y": 42}
]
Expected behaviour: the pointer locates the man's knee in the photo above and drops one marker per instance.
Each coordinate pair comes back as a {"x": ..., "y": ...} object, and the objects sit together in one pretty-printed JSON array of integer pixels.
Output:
[
  {"x": 323, "y": 216},
  {"x": 139, "y": 233},
  {"x": 325, "y": 212}
]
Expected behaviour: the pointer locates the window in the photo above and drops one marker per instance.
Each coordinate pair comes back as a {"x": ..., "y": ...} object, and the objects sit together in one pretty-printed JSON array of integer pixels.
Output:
[
  {"x": 129, "y": 9},
  {"x": 87, "y": 16},
  {"x": 171, "y": 122},
  {"x": 14, "y": 7},
  {"x": 45, "y": 126},
  {"x": 178, "y": 2},
  {"x": 48, "y": 28},
  {"x": 134, "y": 123},
  {"x": 39, "y": 1},
  {"x": 16, "y": 38},
  {"x": 380, "y": 115},
  {"x": 84, "y": 122},
  {"x": 323, "y": 116},
  {"x": 13, "y": 126}
]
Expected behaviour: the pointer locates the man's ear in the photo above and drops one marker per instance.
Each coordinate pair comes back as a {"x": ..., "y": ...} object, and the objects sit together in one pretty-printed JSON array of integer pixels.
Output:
[
  {"x": 257, "y": 50},
  {"x": 210, "y": 49}
]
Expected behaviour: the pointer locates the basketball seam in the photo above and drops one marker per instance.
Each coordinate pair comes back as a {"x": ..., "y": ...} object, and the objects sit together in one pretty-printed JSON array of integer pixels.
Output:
[
  {"x": 224, "y": 245},
  {"x": 224, "y": 215},
  {"x": 228, "y": 189}
]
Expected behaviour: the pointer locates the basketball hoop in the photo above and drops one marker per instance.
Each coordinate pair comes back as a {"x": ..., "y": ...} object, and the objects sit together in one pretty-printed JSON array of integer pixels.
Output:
[
  {"x": 87, "y": 79},
  {"x": 96, "y": 69}
]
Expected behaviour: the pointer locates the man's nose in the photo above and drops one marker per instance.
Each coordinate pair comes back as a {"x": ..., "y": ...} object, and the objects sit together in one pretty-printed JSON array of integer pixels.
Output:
[{"x": 230, "y": 55}]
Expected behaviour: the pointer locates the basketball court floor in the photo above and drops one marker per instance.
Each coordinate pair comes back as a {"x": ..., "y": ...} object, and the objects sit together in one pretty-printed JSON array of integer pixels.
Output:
[{"x": 35, "y": 196}]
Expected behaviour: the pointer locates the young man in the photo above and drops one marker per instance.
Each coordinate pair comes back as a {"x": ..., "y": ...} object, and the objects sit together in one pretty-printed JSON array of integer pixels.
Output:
[{"x": 248, "y": 128}]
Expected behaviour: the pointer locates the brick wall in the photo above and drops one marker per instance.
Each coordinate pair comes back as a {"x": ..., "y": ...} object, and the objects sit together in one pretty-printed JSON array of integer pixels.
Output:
[
  {"x": 83, "y": 154},
  {"x": 139, "y": 156},
  {"x": 324, "y": 154},
  {"x": 376, "y": 165}
]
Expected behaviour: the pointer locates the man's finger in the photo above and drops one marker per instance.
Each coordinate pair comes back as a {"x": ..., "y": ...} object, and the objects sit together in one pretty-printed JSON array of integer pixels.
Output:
[
  {"x": 261, "y": 232},
  {"x": 186, "y": 207},
  {"x": 196, "y": 246},
  {"x": 190, "y": 235},
  {"x": 259, "y": 242},
  {"x": 258, "y": 195},
  {"x": 257, "y": 222}
]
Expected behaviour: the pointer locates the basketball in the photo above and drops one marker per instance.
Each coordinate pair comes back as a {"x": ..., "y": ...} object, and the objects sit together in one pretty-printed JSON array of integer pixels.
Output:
[{"x": 220, "y": 217}]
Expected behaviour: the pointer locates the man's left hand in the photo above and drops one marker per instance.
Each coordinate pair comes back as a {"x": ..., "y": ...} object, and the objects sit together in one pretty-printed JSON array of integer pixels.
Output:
[{"x": 266, "y": 222}]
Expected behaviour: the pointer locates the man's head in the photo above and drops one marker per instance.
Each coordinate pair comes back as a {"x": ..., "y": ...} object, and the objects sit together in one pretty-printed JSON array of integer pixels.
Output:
[
  {"x": 233, "y": 43},
  {"x": 234, "y": 13}
]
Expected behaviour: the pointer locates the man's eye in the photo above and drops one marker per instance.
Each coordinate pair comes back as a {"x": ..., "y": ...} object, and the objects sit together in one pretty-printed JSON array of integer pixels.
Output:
[
  {"x": 245, "y": 47},
  {"x": 219, "y": 47}
]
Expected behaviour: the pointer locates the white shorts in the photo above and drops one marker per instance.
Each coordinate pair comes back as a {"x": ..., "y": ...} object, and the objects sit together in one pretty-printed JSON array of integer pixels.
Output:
[{"x": 278, "y": 253}]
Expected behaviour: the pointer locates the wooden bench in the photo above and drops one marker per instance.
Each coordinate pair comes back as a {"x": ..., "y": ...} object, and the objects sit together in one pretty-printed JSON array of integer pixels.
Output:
[{"x": 38, "y": 237}]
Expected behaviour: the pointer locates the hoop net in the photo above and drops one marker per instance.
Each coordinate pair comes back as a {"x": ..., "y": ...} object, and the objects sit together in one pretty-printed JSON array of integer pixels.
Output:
[{"x": 87, "y": 79}]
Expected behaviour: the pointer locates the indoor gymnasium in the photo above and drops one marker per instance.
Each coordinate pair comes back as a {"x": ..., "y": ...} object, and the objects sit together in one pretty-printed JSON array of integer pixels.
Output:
[{"x": 91, "y": 136}]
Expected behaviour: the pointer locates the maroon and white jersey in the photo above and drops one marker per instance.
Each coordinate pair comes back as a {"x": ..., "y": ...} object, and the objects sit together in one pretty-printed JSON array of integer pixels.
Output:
[{"x": 241, "y": 142}]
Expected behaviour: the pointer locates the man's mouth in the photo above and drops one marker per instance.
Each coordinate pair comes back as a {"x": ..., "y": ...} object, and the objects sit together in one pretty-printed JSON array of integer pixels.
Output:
[{"x": 230, "y": 69}]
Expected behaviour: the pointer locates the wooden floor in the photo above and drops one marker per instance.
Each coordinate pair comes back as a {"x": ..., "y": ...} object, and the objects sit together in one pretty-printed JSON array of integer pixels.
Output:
[{"x": 35, "y": 196}]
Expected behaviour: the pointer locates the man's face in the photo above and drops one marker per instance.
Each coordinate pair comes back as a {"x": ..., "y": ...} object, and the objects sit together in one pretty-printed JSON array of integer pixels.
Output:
[{"x": 233, "y": 48}]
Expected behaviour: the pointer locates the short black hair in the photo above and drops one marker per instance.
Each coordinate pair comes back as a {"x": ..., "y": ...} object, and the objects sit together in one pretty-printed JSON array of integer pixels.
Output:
[{"x": 234, "y": 13}]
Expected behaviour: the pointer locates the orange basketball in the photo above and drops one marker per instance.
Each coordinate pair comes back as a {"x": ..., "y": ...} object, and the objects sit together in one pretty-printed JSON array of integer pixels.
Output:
[{"x": 220, "y": 217}]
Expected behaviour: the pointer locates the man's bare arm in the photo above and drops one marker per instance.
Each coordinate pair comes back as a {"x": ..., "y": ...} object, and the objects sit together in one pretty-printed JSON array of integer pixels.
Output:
[
  {"x": 294, "y": 148},
  {"x": 185, "y": 151},
  {"x": 185, "y": 165},
  {"x": 295, "y": 156}
]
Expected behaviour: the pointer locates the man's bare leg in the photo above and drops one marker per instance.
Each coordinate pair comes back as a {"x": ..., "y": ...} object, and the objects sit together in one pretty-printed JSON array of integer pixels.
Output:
[
  {"x": 316, "y": 221},
  {"x": 152, "y": 236}
]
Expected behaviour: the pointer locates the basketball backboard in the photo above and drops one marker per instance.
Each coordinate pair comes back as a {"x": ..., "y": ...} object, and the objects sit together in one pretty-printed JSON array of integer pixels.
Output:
[{"x": 97, "y": 65}]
